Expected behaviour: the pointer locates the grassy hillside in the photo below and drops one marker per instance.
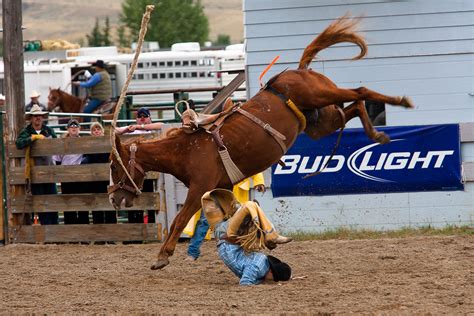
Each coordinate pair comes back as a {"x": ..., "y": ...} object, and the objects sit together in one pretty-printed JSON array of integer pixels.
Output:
[{"x": 72, "y": 20}]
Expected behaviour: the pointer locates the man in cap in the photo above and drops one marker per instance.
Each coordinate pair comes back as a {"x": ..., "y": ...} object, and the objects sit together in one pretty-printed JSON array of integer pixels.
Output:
[
  {"x": 143, "y": 124},
  {"x": 241, "y": 231},
  {"x": 34, "y": 99},
  {"x": 36, "y": 130},
  {"x": 99, "y": 85}
]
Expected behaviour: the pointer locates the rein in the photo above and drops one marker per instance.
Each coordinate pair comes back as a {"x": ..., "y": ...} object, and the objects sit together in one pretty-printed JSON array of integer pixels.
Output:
[{"x": 133, "y": 166}]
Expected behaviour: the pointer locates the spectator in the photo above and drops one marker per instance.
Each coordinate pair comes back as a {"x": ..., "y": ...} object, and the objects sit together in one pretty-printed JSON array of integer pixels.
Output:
[
  {"x": 143, "y": 125},
  {"x": 75, "y": 217},
  {"x": 36, "y": 130},
  {"x": 98, "y": 217},
  {"x": 241, "y": 232},
  {"x": 242, "y": 193},
  {"x": 99, "y": 84},
  {"x": 34, "y": 99}
]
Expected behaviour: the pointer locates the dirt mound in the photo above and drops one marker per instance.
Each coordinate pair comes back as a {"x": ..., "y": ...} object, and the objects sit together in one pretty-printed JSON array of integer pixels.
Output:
[{"x": 389, "y": 276}]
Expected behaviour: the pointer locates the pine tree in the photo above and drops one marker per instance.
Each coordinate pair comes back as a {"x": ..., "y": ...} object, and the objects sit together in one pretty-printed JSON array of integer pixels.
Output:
[
  {"x": 95, "y": 38},
  {"x": 106, "y": 33}
]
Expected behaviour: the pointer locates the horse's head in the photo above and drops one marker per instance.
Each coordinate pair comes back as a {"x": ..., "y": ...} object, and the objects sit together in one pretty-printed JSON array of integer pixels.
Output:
[
  {"x": 54, "y": 98},
  {"x": 121, "y": 189}
]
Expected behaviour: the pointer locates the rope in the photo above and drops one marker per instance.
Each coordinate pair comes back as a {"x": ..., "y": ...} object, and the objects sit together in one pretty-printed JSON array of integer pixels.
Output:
[{"x": 143, "y": 29}]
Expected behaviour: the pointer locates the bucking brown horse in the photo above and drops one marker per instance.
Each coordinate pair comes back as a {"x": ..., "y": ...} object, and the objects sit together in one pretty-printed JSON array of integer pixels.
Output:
[{"x": 291, "y": 102}]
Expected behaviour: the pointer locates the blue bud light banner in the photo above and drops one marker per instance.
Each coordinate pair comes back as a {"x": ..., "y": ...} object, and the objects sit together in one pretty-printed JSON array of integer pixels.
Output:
[{"x": 418, "y": 158}]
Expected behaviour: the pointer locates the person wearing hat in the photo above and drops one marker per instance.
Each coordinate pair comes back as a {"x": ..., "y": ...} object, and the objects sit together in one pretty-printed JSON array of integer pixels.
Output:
[
  {"x": 99, "y": 85},
  {"x": 35, "y": 131},
  {"x": 201, "y": 227},
  {"x": 34, "y": 99},
  {"x": 72, "y": 217},
  {"x": 143, "y": 125},
  {"x": 241, "y": 231}
]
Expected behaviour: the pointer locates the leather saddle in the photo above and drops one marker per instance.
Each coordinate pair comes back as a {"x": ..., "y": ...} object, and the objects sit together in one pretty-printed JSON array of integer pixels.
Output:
[{"x": 193, "y": 121}]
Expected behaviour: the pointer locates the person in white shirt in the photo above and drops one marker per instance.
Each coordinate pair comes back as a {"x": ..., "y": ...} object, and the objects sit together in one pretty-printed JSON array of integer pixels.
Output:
[
  {"x": 143, "y": 124},
  {"x": 76, "y": 217}
]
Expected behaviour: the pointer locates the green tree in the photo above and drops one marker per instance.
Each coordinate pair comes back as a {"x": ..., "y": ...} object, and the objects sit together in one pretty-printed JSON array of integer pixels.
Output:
[
  {"x": 171, "y": 22},
  {"x": 222, "y": 40},
  {"x": 123, "y": 39},
  {"x": 95, "y": 38},
  {"x": 106, "y": 33}
]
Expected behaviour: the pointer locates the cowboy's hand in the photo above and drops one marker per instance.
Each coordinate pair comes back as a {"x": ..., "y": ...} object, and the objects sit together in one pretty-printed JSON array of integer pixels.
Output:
[
  {"x": 37, "y": 136},
  {"x": 260, "y": 188}
]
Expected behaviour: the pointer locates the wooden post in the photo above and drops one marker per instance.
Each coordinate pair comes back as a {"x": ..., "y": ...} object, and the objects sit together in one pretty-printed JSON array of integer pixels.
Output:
[
  {"x": 2, "y": 185},
  {"x": 14, "y": 88}
]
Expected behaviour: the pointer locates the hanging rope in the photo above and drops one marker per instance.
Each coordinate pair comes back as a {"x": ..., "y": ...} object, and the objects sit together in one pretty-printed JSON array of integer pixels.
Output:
[{"x": 143, "y": 29}]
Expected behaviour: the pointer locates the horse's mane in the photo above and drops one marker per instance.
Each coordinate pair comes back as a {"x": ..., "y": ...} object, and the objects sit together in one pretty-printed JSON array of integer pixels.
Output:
[{"x": 140, "y": 139}]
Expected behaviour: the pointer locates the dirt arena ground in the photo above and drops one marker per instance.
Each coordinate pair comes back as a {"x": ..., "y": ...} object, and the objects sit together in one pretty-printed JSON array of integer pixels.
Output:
[{"x": 428, "y": 275}]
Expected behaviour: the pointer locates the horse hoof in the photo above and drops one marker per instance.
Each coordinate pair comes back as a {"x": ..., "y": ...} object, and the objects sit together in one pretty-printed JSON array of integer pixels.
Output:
[
  {"x": 160, "y": 264},
  {"x": 382, "y": 138},
  {"x": 407, "y": 102}
]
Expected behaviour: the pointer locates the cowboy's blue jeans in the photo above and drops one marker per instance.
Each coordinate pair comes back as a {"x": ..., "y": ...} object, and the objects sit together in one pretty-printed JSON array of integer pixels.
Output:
[
  {"x": 199, "y": 234},
  {"x": 92, "y": 105}
]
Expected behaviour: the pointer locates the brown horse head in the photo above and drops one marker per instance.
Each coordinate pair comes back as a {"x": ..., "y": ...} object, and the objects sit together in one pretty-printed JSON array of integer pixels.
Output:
[
  {"x": 65, "y": 101},
  {"x": 121, "y": 189}
]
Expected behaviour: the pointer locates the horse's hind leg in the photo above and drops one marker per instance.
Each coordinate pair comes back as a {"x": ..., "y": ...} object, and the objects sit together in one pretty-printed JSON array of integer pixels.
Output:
[
  {"x": 191, "y": 206},
  {"x": 357, "y": 109},
  {"x": 337, "y": 95}
]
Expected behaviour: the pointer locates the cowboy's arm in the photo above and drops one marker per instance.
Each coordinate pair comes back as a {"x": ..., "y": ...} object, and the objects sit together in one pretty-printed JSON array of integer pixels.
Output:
[
  {"x": 94, "y": 80},
  {"x": 122, "y": 130},
  {"x": 148, "y": 127},
  {"x": 249, "y": 277},
  {"x": 24, "y": 139}
]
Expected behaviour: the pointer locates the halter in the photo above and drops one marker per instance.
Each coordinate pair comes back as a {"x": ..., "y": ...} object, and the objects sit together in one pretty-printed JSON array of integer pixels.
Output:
[{"x": 133, "y": 165}]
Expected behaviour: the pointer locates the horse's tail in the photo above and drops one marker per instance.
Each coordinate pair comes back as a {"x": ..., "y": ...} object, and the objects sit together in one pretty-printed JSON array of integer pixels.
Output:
[{"x": 342, "y": 30}]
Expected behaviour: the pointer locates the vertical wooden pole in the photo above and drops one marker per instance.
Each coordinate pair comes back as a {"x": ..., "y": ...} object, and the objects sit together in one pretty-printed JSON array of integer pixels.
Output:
[
  {"x": 14, "y": 88},
  {"x": 2, "y": 185}
]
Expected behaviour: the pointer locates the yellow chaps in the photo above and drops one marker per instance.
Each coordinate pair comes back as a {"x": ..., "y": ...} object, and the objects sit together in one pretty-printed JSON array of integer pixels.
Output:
[{"x": 259, "y": 234}]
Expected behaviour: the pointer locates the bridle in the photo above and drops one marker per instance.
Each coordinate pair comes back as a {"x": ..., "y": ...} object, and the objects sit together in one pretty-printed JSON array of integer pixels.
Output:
[{"x": 133, "y": 165}]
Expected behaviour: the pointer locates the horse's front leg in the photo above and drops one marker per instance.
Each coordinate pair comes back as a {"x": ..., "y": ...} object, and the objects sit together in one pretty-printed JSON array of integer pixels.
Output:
[
  {"x": 191, "y": 206},
  {"x": 357, "y": 109}
]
